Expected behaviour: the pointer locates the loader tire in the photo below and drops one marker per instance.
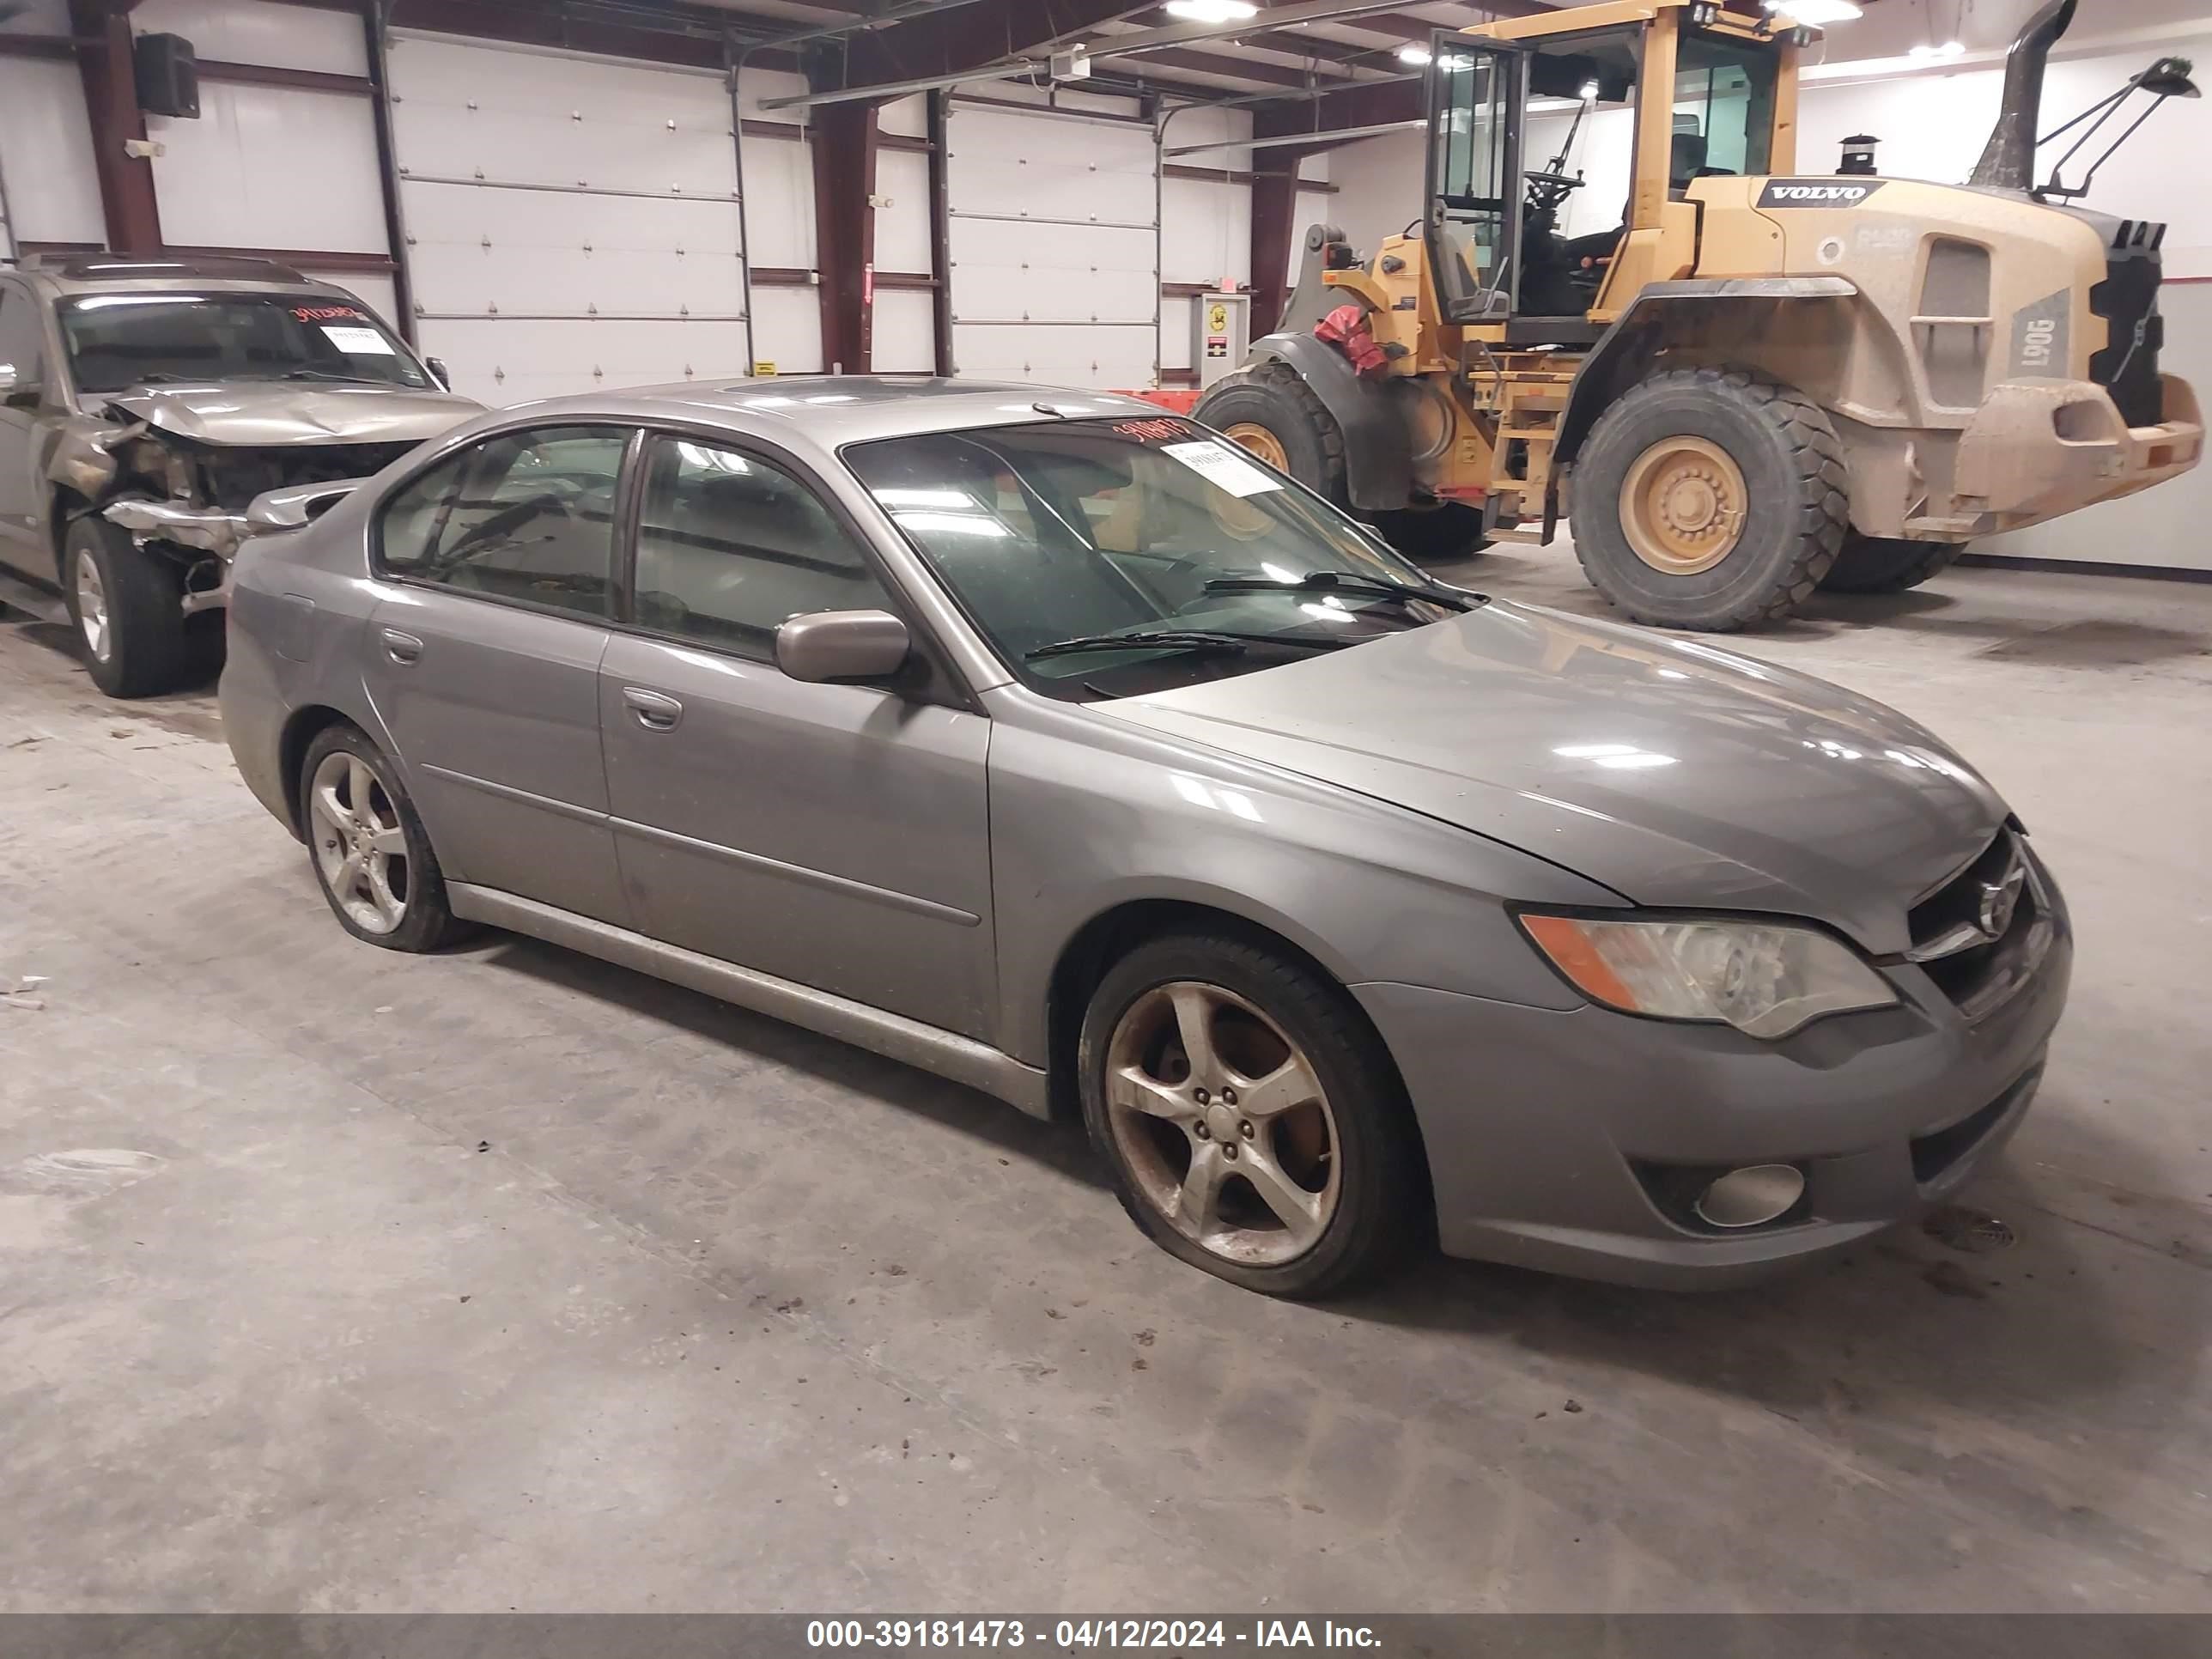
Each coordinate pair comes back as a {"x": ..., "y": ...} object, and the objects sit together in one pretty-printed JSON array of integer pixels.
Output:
[
  {"x": 1710, "y": 499},
  {"x": 1272, "y": 411},
  {"x": 1887, "y": 564}
]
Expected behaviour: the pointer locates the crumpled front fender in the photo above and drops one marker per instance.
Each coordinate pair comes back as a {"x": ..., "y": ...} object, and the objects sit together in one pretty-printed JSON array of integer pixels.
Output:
[{"x": 84, "y": 453}]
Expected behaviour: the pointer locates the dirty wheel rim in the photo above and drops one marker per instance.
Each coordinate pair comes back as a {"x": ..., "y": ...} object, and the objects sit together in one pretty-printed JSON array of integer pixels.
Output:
[
  {"x": 1261, "y": 442},
  {"x": 1223, "y": 1123},
  {"x": 92, "y": 607},
  {"x": 359, "y": 849},
  {"x": 1682, "y": 505}
]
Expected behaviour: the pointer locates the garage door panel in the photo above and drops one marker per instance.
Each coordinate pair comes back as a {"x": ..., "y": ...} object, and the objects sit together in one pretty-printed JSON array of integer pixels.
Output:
[
  {"x": 902, "y": 218},
  {"x": 475, "y": 112},
  {"x": 532, "y": 253},
  {"x": 1095, "y": 358},
  {"x": 1052, "y": 273},
  {"x": 906, "y": 332},
  {"x": 1023, "y": 166},
  {"x": 270, "y": 166},
  {"x": 509, "y": 360},
  {"x": 1019, "y": 187},
  {"x": 787, "y": 329},
  {"x": 535, "y": 218}
]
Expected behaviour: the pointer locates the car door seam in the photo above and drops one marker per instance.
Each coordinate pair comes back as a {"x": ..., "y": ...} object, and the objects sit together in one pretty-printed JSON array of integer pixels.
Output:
[
  {"x": 800, "y": 872},
  {"x": 508, "y": 791}
]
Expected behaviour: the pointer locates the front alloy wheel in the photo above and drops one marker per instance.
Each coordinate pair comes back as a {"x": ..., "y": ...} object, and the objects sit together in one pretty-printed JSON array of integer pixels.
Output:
[
  {"x": 1225, "y": 1129},
  {"x": 1254, "y": 1123},
  {"x": 92, "y": 607}
]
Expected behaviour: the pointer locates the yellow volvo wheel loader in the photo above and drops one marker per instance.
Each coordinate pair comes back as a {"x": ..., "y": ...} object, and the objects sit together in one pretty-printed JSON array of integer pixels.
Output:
[{"x": 1763, "y": 382}]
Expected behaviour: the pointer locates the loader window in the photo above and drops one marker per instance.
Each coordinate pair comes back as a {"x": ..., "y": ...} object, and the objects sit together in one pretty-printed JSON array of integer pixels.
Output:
[
  {"x": 1723, "y": 108},
  {"x": 1474, "y": 182}
]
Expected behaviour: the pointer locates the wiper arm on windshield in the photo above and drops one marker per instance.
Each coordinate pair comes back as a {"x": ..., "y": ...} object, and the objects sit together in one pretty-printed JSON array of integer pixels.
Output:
[
  {"x": 1187, "y": 639},
  {"x": 1332, "y": 581}
]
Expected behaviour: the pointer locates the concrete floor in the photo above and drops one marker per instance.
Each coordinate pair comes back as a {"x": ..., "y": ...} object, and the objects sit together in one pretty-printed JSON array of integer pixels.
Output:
[{"x": 331, "y": 1279}]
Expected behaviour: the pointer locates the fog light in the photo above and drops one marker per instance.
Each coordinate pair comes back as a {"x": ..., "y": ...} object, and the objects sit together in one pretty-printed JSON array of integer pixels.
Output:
[{"x": 1750, "y": 1197}]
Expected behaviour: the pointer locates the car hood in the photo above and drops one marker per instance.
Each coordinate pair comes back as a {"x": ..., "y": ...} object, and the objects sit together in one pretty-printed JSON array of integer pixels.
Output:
[
  {"x": 262, "y": 415},
  {"x": 1675, "y": 773}
]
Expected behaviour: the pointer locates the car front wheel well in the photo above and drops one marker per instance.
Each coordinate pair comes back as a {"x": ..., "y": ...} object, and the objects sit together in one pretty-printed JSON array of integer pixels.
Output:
[
  {"x": 1110, "y": 936},
  {"x": 300, "y": 729}
]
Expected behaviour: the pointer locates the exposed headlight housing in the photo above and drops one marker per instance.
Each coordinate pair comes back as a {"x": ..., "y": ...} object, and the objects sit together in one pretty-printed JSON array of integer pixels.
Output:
[{"x": 1767, "y": 979}]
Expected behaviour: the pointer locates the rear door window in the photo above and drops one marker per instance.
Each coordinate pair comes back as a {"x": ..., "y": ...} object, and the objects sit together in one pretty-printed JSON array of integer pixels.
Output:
[{"x": 523, "y": 516}]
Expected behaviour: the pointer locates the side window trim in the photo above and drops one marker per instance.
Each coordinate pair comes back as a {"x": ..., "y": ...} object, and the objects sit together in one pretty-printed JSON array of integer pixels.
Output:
[
  {"x": 618, "y": 557},
  {"x": 945, "y": 686}
]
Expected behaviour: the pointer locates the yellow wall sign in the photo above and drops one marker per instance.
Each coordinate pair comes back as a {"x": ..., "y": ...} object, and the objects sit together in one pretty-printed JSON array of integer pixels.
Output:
[
  {"x": 763, "y": 368},
  {"x": 1217, "y": 318}
]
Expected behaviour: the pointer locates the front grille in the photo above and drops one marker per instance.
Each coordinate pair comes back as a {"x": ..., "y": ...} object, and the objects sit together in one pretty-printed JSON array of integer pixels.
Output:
[
  {"x": 1983, "y": 971},
  {"x": 2127, "y": 302}
]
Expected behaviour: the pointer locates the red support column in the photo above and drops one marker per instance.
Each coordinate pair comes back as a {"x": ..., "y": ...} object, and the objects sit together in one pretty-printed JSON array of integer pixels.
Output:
[
  {"x": 111, "y": 99},
  {"x": 844, "y": 145}
]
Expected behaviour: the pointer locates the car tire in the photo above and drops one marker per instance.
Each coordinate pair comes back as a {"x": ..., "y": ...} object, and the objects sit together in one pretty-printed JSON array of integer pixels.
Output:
[
  {"x": 1709, "y": 498},
  {"x": 1887, "y": 564},
  {"x": 398, "y": 907},
  {"x": 123, "y": 601},
  {"x": 1339, "y": 1130}
]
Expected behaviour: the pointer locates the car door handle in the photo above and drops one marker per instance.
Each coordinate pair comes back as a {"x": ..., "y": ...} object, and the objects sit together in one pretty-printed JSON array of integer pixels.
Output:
[
  {"x": 402, "y": 648},
  {"x": 656, "y": 711}
]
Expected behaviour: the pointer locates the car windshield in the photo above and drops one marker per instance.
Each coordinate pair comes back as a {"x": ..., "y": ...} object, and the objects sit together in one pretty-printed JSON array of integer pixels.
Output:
[
  {"x": 121, "y": 340},
  {"x": 1062, "y": 540}
]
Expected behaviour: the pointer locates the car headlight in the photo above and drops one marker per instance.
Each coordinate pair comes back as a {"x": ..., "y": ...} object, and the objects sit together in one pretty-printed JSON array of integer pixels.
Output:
[{"x": 1765, "y": 979}]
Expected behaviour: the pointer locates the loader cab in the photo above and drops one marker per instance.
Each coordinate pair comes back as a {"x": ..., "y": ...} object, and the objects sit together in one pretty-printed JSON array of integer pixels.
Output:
[{"x": 1545, "y": 153}]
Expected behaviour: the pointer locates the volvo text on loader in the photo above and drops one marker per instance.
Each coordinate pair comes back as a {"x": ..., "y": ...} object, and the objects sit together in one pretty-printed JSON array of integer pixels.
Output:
[{"x": 1762, "y": 383}]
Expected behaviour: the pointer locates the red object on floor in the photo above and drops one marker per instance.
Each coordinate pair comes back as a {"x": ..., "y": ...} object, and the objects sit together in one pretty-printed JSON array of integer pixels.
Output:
[
  {"x": 1176, "y": 399},
  {"x": 1346, "y": 328}
]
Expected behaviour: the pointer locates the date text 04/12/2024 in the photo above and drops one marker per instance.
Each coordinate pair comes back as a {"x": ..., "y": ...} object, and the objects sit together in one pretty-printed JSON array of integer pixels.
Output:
[{"x": 1073, "y": 1635}]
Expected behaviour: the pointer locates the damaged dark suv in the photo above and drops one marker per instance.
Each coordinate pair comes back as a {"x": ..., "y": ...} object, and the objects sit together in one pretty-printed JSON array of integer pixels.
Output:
[{"x": 145, "y": 404}]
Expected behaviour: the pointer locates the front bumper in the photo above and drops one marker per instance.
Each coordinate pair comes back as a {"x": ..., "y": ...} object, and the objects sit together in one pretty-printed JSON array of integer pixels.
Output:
[
  {"x": 1544, "y": 1128},
  {"x": 2038, "y": 448}
]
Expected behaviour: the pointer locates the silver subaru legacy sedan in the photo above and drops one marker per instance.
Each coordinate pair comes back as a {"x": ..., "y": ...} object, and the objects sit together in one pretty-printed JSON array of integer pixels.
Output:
[{"x": 1054, "y": 744}]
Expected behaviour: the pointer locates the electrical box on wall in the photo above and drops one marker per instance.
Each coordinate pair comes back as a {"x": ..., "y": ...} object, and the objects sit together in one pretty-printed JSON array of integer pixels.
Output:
[
  {"x": 1221, "y": 330},
  {"x": 166, "y": 72}
]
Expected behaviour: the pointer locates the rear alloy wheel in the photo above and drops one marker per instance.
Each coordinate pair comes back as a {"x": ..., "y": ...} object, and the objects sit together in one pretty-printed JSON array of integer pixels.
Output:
[
  {"x": 1253, "y": 1124},
  {"x": 1886, "y": 564},
  {"x": 371, "y": 856},
  {"x": 1709, "y": 498}
]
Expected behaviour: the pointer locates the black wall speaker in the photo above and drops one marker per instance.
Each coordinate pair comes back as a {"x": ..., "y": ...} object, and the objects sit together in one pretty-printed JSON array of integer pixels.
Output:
[{"x": 168, "y": 72}]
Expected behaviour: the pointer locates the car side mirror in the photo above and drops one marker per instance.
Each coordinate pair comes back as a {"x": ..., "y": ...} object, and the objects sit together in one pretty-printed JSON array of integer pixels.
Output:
[
  {"x": 439, "y": 372},
  {"x": 842, "y": 646}
]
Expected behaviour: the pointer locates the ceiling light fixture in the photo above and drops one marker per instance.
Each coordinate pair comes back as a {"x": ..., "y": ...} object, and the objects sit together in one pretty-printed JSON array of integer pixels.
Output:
[
  {"x": 1412, "y": 54},
  {"x": 1932, "y": 54},
  {"x": 1817, "y": 14},
  {"x": 1211, "y": 11}
]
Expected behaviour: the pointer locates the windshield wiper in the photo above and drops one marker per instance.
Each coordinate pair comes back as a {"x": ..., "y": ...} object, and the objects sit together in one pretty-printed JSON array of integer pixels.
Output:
[
  {"x": 1186, "y": 639},
  {"x": 1332, "y": 581},
  {"x": 319, "y": 374}
]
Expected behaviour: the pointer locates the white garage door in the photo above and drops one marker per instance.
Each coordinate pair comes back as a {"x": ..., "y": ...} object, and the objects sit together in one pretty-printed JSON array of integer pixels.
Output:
[
  {"x": 1054, "y": 247},
  {"x": 571, "y": 222}
]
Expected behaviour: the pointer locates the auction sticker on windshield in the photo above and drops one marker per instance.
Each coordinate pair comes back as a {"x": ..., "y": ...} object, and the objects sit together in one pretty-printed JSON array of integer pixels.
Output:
[
  {"x": 1222, "y": 467},
  {"x": 357, "y": 340}
]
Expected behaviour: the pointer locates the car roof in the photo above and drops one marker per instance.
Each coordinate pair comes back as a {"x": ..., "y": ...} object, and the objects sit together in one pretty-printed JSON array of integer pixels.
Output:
[
  {"x": 105, "y": 273},
  {"x": 830, "y": 410}
]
